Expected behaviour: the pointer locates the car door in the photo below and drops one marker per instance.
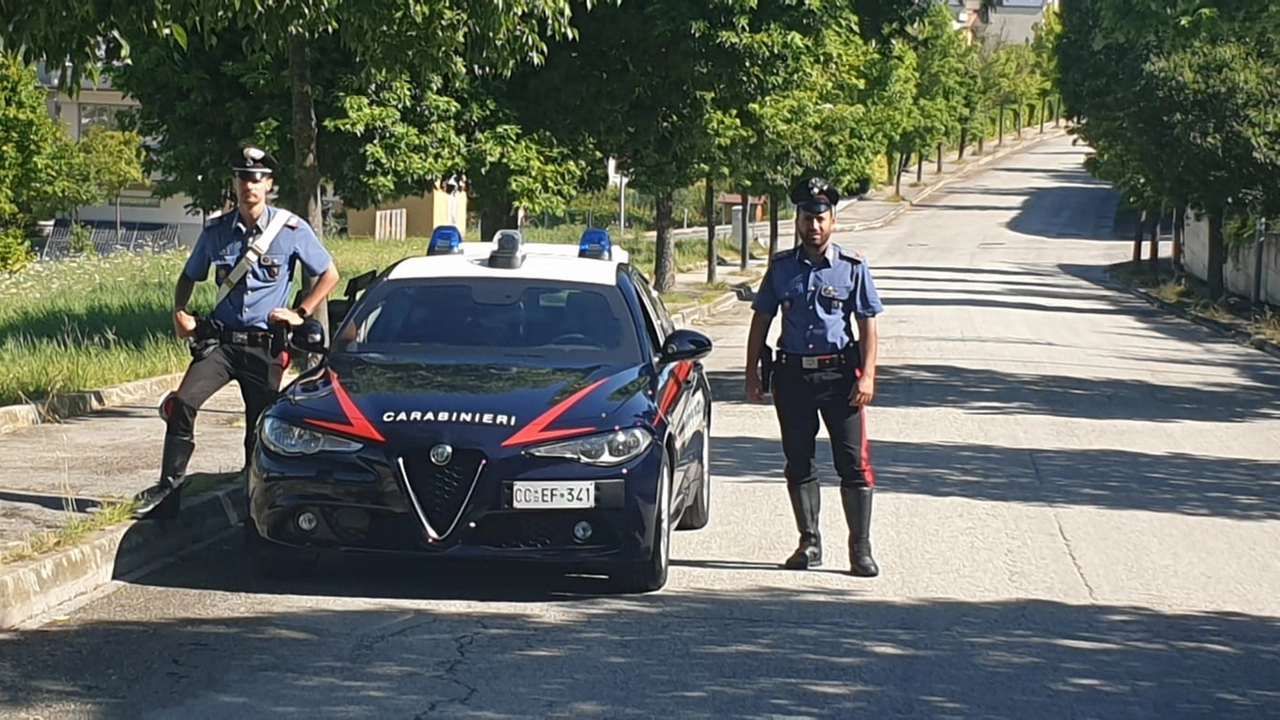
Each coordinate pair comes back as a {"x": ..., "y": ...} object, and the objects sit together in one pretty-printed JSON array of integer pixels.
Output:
[{"x": 680, "y": 398}]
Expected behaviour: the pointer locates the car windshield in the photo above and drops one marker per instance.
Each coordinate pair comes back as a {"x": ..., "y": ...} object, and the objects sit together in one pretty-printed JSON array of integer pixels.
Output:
[{"x": 489, "y": 318}]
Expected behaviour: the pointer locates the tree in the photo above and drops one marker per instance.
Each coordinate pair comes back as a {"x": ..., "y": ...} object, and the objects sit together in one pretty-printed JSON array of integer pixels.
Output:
[
  {"x": 432, "y": 39},
  {"x": 37, "y": 163},
  {"x": 662, "y": 114},
  {"x": 110, "y": 162}
]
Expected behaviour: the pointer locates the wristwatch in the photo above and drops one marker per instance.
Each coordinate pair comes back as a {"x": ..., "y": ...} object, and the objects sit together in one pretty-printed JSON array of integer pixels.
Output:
[{"x": 302, "y": 312}]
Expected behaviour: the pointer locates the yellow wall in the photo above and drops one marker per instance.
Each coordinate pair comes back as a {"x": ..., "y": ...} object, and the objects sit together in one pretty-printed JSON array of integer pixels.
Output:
[{"x": 423, "y": 214}]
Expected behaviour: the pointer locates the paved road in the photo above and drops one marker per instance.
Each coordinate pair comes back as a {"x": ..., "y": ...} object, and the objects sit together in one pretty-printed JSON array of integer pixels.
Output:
[{"x": 1078, "y": 517}]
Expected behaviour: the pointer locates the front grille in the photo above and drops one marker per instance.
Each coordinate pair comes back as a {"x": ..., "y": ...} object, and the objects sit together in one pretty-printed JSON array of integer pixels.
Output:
[{"x": 441, "y": 493}]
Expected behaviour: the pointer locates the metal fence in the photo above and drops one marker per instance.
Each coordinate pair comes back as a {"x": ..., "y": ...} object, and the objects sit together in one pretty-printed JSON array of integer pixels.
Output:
[{"x": 131, "y": 238}]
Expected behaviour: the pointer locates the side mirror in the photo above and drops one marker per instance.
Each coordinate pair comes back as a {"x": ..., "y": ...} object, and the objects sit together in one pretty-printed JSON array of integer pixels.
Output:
[
  {"x": 310, "y": 337},
  {"x": 685, "y": 344}
]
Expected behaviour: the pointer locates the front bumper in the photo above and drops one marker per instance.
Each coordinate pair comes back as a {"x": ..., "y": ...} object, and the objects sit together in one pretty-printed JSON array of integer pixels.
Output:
[{"x": 374, "y": 503}]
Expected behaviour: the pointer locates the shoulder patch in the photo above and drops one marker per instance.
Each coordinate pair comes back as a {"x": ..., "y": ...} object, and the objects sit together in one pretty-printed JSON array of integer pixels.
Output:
[
  {"x": 853, "y": 257},
  {"x": 292, "y": 222}
]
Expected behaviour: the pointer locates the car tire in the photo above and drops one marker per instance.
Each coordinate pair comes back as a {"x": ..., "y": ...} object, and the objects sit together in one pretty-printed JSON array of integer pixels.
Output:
[
  {"x": 698, "y": 514},
  {"x": 651, "y": 574}
]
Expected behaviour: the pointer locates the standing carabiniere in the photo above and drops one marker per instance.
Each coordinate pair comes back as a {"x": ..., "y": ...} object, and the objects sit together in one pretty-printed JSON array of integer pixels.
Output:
[{"x": 825, "y": 367}]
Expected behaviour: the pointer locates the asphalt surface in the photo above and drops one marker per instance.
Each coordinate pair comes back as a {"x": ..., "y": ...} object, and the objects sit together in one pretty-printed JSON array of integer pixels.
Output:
[{"x": 1077, "y": 517}]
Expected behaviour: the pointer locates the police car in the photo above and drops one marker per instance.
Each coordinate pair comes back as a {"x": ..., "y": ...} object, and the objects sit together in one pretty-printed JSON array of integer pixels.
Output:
[{"x": 492, "y": 400}]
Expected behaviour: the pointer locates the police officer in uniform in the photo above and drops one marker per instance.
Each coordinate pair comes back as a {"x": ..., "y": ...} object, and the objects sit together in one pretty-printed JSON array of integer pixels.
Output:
[
  {"x": 825, "y": 367},
  {"x": 235, "y": 341}
]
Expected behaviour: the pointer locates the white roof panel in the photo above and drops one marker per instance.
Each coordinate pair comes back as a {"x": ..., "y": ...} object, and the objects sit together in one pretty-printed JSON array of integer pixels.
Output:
[{"x": 543, "y": 261}]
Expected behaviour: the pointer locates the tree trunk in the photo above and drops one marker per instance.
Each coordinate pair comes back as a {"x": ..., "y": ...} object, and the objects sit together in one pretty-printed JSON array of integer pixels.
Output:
[
  {"x": 939, "y": 158},
  {"x": 307, "y": 175},
  {"x": 496, "y": 216},
  {"x": 891, "y": 158},
  {"x": 1044, "y": 103},
  {"x": 713, "y": 257},
  {"x": 964, "y": 140},
  {"x": 1217, "y": 254},
  {"x": 744, "y": 243},
  {"x": 664, "y": 261},
  {"x": 1179, "y": 228},
  {"x": 920, "y": 166},
  {"x": 773, "y": 223},
  {"x": 1153, "y": 253},
  {"x": 1000, "y": 141},
  {"x": 897, "y": 179},
  {"x": 1137, "y": 237}
]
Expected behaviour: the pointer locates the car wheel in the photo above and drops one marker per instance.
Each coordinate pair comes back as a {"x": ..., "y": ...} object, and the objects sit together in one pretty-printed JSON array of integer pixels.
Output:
[
  {"x": 651, "y": 574},
  {"x": 698, "y": 514}
]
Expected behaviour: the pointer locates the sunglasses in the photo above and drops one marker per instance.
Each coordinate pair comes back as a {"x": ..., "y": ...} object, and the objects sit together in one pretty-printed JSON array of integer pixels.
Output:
[{"x": 252, "y": 175}]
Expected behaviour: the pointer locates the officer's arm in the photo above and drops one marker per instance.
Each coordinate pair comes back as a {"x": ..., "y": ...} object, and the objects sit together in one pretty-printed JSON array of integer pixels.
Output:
[
  {"x": 316, "y": 260},
  {"x": 756, "y": 338},
  {"x": 869, "y": 343},
  {"x": 320, "y": 292},
  {"x": 765, "y": 306},
  {"x": 193, "y": 271},
  {"x": 867, "y": 306}
]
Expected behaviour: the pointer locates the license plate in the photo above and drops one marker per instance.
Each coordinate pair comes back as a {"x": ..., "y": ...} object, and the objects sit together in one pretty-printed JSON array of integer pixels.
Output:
[{"x": 553, "y": 495}]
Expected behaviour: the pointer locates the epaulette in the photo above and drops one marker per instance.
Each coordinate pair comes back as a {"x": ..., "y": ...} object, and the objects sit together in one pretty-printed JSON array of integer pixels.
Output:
[
  {"x": 853, "y": 257},
  {"x": 782, "y": 255},
  {"x": 292, "y": 222}
]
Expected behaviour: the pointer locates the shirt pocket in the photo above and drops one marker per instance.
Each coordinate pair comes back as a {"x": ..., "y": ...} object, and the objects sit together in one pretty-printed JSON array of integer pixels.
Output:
[
  {"x": 224, "y": 264},
  {"x": 835, "y": 295},
  {"x": 270, "y": 268}
]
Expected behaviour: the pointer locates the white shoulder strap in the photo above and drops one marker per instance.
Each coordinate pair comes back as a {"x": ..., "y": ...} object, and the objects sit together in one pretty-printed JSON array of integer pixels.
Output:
[{"x": 256, "y": 250}]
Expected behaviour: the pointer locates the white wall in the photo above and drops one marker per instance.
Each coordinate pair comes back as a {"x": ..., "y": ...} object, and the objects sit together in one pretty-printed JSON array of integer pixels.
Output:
[{"x": 1238, "y": 273}]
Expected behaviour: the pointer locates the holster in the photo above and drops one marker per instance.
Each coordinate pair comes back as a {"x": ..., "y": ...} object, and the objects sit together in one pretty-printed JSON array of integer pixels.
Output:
[
  {"x": 766, "y": 368},
  {"x": 207, "y": 337},
  {"x": 279, "y": 338}
]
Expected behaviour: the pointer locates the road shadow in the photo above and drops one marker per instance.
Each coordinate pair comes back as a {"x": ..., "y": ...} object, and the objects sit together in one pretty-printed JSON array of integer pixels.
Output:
[
  {"x": 753, "y": 652},
  {"x": 1080, "y": 395},
  {"x": 1177, "y": 483}
]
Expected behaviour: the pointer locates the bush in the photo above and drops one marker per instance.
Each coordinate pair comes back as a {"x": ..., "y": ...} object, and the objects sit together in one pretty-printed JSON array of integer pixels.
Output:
[{"x": 15, "y": 251}]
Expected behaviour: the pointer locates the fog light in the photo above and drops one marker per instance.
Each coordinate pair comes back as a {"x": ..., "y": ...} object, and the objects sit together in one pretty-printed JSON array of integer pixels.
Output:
[
  {"x": 582, "y": 531},
  {"x": 307, "y": 521}
]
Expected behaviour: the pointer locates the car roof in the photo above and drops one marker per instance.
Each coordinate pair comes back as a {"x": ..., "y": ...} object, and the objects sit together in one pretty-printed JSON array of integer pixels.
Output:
[{"x": 543, "y": 261}]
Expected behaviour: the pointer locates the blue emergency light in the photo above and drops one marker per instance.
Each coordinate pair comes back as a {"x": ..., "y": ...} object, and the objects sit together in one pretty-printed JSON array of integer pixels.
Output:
[
  {"x": 595, "y": 244},
  {"x": 445, "y": 240},
  {"x": 508, "y": 253}
]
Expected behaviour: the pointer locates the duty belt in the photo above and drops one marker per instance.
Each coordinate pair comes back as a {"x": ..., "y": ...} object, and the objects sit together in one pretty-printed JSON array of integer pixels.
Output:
[
  {"x": 246, "y": 337},
  {"x": 813, "y": 362}
]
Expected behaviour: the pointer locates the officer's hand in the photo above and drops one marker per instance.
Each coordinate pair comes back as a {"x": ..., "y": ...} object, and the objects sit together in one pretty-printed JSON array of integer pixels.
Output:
[
  {"x": 285, "y": 315},
  {"x": 755, "y": 388},
  {"x": 184, "y": 323},
  {"x": 863, "y": 391}
]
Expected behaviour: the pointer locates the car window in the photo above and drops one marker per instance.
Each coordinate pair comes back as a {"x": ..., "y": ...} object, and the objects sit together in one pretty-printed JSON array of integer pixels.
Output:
[
  {"x": 492, "y": 318},
  {"x": 654, "y": 303}
]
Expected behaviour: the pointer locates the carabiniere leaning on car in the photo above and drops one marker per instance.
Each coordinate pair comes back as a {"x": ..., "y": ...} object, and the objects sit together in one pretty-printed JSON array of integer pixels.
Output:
[{"x": 495, "y": 400}]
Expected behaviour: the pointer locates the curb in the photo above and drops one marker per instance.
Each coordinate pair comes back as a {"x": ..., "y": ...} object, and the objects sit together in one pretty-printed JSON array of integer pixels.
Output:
[
  {"x": 31, "y": 588},
  {"x": 70, "y": 405},
  {"x": 1241, "y": 336}
]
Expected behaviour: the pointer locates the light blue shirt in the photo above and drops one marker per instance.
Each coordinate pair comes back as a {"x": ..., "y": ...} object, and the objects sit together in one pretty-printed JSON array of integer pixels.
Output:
[
  {"x": 268, "y": 283},
  {"x": 817, "y": 300}
]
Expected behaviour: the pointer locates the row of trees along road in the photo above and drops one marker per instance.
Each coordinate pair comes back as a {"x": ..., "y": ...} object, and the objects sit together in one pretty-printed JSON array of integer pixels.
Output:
[
  {"x": 1181, "y": 100},
  {"x": 527, "y": 99}
]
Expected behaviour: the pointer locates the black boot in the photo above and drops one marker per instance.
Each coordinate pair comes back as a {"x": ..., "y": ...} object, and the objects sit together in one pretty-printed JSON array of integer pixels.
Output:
[
  {"x": 857, "y": 512},
  {"x": 806, "y": 501},
  {"x": 162, "y": 500}
]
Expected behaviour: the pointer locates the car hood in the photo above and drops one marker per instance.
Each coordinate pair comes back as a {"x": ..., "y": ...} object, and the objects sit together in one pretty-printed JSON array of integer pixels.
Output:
[{"x": 492, "y": 404}]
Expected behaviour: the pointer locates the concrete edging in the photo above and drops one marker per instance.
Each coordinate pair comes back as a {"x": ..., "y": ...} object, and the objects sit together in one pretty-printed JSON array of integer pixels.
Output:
[
  {"x": 31, "y": 588},
  {"x": 70, "y": 405},
  {"x": 1241, "y": 336}
]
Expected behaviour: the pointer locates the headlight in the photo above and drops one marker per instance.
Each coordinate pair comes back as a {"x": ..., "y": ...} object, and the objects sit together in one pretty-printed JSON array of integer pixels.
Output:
[
  {"x": 288, "y": 439},
  {"x": 612, "y": 448}
]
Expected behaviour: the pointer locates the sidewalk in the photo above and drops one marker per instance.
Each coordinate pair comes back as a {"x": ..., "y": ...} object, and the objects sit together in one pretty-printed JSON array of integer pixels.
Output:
[{"x": 54, "y": 475}]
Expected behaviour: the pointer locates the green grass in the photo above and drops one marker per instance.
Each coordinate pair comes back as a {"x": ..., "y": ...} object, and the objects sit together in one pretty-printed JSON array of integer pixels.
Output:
[{"x": 89, "y": 323}]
